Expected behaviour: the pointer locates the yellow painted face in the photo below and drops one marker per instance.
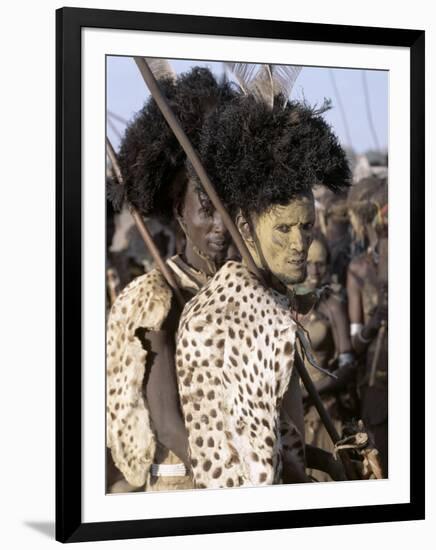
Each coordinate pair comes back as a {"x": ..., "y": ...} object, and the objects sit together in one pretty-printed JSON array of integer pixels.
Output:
[
  {"x": 283, "y": 235},
  {"x": 316, "y": 264}
]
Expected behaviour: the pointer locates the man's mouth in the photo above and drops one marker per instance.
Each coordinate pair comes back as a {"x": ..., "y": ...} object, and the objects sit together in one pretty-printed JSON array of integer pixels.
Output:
[
  {"x": 297, "y": 262},
  {"x": 218, "y": 244}
]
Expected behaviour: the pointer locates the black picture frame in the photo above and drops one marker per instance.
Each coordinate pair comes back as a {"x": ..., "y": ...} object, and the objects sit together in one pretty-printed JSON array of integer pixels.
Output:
[{"x": 69, "y": 22}]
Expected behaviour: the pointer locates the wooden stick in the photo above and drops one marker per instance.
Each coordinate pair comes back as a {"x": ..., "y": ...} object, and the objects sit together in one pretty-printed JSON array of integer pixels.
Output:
[{"x": 144, "y": 232}]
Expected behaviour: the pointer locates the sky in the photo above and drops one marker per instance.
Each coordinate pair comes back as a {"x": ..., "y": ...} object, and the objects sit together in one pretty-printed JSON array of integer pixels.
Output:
[{"x": 127, "y": 92}]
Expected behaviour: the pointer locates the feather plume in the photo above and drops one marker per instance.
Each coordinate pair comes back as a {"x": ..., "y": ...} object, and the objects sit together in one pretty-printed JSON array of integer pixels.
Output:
[
  {"x": 264, "y": 81},
  {"x": 284, "y": 77},
  {"x": 262, "y": 87},
  {"x": 161, "y": 68},
  {"x": 243, "y": 73}
]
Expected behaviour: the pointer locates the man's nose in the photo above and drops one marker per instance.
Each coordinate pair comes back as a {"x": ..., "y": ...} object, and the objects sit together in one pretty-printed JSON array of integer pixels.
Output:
[
  {"x": 218, "y": 224},
  {"x": 311, "y": 269},
  {"x": 298, "y": 242}
]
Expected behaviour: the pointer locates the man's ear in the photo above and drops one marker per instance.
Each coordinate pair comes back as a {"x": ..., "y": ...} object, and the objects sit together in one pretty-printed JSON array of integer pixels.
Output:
[
  {"x": 244, "y": 228},
  {"x": 180, "y": 182},
  {"x": 177, "y": 209}
]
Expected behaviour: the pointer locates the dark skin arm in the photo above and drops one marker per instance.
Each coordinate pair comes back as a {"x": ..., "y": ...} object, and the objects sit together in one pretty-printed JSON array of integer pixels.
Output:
[
  {"x": 161, "y": 393},
  {"x": 292, "y": 409},
  {"x": 113, "y": 474},
  {"x": 316, "y": 458},
  {"x": 356, "y": 273},
  {"x": 338, "y": 316},
  {"x": 292, "y": 403},
  {"x": 319, "y": 459}
]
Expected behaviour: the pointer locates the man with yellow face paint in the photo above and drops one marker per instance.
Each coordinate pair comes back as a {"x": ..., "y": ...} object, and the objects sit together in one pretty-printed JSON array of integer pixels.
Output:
[
  {"x": 279, "y": 238},
  {"x": 236, "y": 341}
]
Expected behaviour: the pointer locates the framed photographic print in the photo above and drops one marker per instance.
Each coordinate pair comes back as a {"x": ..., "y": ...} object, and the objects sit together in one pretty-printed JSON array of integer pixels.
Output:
[{"x": 228, "y": 194}]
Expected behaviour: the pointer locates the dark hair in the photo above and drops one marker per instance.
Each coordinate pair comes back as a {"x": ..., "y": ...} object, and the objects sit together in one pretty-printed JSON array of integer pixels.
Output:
[
  {"x": 257, "y": 156},
  {"x": 150, "y": 157}
]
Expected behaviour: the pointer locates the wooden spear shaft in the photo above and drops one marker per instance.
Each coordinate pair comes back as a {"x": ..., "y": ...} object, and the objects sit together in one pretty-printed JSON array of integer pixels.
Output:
[
  {"x": 174, "y": 124},
  {"x": 144, "y": 232}
]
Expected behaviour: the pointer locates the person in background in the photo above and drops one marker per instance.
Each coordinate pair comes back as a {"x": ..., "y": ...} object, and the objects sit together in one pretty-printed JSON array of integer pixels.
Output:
[
  {"x": 367, "y": 289},
  {"x": 329, "y": 331},
  {"x": 333, "y": 222}
]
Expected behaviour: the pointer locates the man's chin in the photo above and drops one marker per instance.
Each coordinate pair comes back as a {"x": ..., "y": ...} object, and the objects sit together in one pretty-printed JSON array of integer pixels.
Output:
[
  {"x": 294, "y": 278},
  {"x": 219, "y": 258}
]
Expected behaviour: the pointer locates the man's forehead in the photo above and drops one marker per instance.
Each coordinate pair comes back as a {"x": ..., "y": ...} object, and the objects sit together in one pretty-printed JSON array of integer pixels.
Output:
[{"x": 301, "y": 205}]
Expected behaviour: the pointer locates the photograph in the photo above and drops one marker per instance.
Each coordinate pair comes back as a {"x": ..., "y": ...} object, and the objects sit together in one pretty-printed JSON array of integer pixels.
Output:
[
  {"x": 218, "y": 230},
  {"x": 204, "y": 392},
  {"x": 239, "y": 244}
]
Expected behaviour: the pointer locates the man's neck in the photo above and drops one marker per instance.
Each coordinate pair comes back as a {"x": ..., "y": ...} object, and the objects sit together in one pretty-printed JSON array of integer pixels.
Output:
[{"x": 195, "y": 261}]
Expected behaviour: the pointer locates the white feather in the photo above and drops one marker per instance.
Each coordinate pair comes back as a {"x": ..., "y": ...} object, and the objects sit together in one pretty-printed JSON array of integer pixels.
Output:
[
  {"x": 262, "y": 87},
  {"x": 264, "y": 81},
  {"x": 243, "y": 73},
  {"x": 284, "y": 77}
]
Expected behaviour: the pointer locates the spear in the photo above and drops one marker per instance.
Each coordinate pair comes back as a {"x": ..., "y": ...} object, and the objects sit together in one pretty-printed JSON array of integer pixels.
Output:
[
  {"x": 144, "y": 232},
  {"x": 186, "y": 145}
]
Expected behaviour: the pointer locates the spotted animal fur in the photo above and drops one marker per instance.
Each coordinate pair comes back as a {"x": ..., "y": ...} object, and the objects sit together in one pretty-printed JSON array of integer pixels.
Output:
[
  {"x": 145, "y": 303},
  {"x": 234, "y": 361}
]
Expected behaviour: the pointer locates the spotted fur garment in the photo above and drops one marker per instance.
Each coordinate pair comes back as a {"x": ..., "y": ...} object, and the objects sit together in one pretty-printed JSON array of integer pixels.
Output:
[
  {"x": 234, "y": 360},
  {"x": 143, "y": 303}
]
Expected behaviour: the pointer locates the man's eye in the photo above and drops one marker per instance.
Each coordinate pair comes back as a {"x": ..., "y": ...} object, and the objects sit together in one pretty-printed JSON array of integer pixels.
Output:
[
  {"x": 307, "y": 226},
  {"x": 283, "y": 228},
  {"x": 207, "y": 210},
  {"x": 206, "y": 207}
]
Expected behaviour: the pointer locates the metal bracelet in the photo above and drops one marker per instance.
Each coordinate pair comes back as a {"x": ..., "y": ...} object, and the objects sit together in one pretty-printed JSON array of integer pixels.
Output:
[
  {"x": 355, "y": 328},
  {"x": 168, "y": 470}
]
